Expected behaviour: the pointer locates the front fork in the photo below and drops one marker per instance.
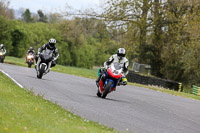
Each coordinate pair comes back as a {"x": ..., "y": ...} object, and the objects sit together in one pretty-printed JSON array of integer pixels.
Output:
[
  {"x": 112, "y": 87},
  {"x": 49, "y": 65},
  {"x": 38, "y": 64},
  {"x": 103, "y": 82},
  {"x": 48, "y": 68}
]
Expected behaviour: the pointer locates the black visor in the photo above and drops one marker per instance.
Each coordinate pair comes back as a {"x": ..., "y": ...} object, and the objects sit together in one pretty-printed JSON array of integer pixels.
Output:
[
  {"x": 121, "y": 55},
  {"x": 52, "y": 44}
]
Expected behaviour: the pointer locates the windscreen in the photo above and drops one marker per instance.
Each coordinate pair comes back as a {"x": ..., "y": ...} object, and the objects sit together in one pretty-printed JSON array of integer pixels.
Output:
[
  {"x": 117, "y": 66},
  {"x": 47, "y": 54}
]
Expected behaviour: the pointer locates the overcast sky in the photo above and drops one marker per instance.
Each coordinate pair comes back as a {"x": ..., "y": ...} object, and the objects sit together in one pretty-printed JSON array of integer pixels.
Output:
[{"x": 53, "y": 5}]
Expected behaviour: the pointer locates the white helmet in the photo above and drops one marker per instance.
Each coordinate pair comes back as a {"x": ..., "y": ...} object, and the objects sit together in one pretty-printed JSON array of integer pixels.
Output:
[
  {"x": 52, "y": 42},
  {"x": 121, "y": 52}
]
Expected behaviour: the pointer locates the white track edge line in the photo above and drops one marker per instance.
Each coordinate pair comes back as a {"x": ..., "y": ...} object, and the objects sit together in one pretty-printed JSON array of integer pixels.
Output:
[{"x": 12, "y": 78}]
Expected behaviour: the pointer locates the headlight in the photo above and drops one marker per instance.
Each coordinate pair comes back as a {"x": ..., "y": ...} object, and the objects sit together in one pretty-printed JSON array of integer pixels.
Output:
[
  {"x": 1, "y": 53},
  {"x": 29, "y": 56},
  {"x": 116, "y": 72}
]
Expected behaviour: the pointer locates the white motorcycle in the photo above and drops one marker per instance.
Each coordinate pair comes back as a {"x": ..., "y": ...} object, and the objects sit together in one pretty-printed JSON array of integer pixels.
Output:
[{"x": 45, "y": 60}]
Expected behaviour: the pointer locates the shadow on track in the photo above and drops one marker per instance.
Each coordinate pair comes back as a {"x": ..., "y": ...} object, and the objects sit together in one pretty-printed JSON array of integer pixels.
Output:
[
  {"x": 35, "y": 77},
  {"x": 109, "y": 99},
  {"x": 121, "y": 101}
]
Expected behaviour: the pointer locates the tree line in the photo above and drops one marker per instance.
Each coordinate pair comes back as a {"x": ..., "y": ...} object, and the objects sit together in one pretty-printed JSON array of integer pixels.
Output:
[
  {"x": 81, "y": 42},
  {"x": 162, "y": 33}
]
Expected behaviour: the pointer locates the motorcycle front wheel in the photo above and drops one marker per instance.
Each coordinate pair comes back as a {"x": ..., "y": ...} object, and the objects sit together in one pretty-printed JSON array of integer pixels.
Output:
[
  {"x": 1, "y": 60},
  {"x": 41, "y": 71},
  {"x": 29, "y": 65},
  {"x": 107, "y": 89}
]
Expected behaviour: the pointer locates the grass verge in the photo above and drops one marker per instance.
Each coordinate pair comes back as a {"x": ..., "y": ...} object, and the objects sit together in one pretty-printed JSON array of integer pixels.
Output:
[
  {"x": 91, "y": 73},
  {"x": 15, "y": 61},
  {"x": 22, "y": 111},
  {"x": 176, "y": 93},
  {"x": 88, "y": 73}
]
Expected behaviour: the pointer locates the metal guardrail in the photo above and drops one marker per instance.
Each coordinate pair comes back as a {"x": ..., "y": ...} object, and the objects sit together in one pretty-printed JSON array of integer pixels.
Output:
[{"x": 195, "y": 90}]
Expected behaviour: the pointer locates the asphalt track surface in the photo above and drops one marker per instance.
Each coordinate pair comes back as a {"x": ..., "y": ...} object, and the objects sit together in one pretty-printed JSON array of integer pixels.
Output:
[{"x": 128, "y": 109}]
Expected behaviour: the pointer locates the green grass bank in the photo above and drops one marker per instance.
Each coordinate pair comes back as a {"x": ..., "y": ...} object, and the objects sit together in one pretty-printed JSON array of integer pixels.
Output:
[{"x": 22, "y": 111}]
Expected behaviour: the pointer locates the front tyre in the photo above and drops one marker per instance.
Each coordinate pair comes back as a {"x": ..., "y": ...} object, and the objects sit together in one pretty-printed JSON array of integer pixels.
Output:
[
  {"x": 41, "y": 71},
  {"x": 39, "y": 75},
  {"x": 29, "y": 65},
  {"x": 1, "y": 59},
  {"x": 107, "y": 89}
]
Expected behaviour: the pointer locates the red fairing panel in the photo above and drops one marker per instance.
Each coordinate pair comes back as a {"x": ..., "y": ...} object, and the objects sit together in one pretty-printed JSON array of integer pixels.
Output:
[
  {"x": 101, "y": 86},
  {"x": 114, "y": 76}
]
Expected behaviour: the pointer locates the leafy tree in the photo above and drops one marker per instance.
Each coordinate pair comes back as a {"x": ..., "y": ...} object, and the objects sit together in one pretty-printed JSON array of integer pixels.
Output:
[
  {"x": 5, "y": 11},
  {"x": 54, "y": 18},
  {"x": 5, "y": 36},
  {"x": 138, "y": 25},
  {"x": 26, "y": 16},
  {"x": 180, "y": 54},
  {"x": 157, "y": 37},
  {"x": 191, "y": 48},
  {"x": 42, "y": 17},
  {"x": 125, "y": 14}
]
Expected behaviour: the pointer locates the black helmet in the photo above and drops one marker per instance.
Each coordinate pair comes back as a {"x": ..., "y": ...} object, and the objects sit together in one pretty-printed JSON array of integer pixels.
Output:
[
  {"x": 52, "y": 42},
  {"x": 31, "y": 48},
  {"x": 121, "y": 52}
]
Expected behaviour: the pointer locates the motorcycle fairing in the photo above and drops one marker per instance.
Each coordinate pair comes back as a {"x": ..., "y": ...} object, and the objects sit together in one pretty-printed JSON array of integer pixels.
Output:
[{"x": 112, "y": 75}]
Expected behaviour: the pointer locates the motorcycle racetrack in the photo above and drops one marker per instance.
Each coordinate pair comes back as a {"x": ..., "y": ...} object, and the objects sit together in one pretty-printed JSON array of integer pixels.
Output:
[{"x": 128, "y": 109}]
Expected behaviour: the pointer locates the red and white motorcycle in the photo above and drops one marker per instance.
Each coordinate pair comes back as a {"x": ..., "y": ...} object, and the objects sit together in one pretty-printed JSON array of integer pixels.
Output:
[{"x": 109, "y": 80}]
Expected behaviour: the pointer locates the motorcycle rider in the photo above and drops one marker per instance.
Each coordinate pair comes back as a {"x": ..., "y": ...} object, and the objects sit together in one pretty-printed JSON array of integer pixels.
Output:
[
  {"x": 50, "y": 47},
  {"x": 30, "y": 51},
  {"x": 3, "y": 49},
  {"x": 122, "y": 60}
]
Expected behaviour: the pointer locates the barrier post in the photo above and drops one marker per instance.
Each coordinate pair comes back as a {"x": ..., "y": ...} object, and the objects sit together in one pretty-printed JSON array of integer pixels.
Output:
[
  {"x": 180, "y": 87},
  {"x": 198, "y": 91},
  {"x": 194, "y": 90}
]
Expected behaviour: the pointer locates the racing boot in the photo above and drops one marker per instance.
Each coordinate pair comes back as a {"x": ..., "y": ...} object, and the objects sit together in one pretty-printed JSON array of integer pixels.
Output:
[{"x": 98, "y": 79}]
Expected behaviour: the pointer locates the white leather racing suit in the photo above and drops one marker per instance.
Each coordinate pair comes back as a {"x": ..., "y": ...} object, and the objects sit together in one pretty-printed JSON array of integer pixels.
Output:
[{"x": 124, "y": 63}]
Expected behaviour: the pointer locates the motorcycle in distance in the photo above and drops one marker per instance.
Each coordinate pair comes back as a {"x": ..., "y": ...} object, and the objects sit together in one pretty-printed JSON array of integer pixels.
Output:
[
  {"x": 112, "y": 77},
  {"x": 45, "y": 62},
  {"x": 2, "y": 56},
  {"x": 30, "y": 59}
]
